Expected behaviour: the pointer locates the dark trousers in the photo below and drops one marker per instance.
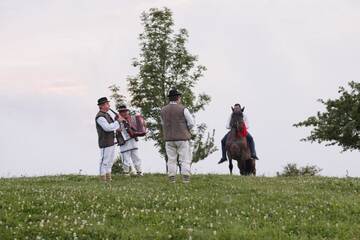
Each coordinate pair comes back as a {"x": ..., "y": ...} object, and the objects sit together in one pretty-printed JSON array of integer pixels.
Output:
[{"x": 249, "y": 140}]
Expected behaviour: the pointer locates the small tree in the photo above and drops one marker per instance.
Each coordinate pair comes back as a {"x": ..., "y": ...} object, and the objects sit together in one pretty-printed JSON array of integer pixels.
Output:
[
  {"x": 117, "y": 167},
  {"x": 119, "y": 100},
  {"x": 340, "y": 123},
  {"x": 164, "y": 62},
  {"x": 292, "y": 170}
]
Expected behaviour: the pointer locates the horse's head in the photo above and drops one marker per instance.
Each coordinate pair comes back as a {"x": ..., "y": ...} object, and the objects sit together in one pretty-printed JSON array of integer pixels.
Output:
[{"x": 237, "y": 120}]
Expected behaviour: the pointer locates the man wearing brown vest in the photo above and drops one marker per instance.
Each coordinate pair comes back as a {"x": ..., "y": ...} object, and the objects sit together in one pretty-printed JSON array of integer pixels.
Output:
[
  {"x": 106, "y": 126},
  {"x": 177, "y": 122}
]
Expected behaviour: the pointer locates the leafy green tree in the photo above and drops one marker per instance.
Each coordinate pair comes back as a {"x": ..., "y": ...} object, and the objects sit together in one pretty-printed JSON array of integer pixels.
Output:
[
  {"x": 118, "y": 98},
  {"x": 164, "y": 63},
  {"x": 340, "y": 123}
]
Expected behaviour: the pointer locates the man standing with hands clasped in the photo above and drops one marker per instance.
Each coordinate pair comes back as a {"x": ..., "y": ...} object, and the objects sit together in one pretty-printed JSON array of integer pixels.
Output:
[
  {"x": 106, "y": 126},
  {"x": 176, "y": 122}
]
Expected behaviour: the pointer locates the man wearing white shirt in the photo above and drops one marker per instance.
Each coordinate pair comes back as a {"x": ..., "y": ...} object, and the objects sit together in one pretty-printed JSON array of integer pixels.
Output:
[
  {"x": 106, "y": 126},
  {"x": 177, "y": 123},
  {"x": 129, "y": 147},
  {"x": 249, "y": 138}
]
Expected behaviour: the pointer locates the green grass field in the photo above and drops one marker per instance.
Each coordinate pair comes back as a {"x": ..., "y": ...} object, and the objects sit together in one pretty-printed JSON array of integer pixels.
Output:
[{"x": 210, "y": 207}]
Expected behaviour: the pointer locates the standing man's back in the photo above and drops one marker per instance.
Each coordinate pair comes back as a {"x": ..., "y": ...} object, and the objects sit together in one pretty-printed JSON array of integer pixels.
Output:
[
  {"x": 177, "y": 122},
  {"x": 174, "y": 123}
]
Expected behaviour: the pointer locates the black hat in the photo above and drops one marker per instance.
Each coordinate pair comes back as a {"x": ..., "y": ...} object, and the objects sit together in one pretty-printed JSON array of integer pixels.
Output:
[
  {"x": 238, "y": 104},
  {"x": 174, "y": 92},
  {"x": 122, "y": 108},
  {"x": 102, "y": 100}
]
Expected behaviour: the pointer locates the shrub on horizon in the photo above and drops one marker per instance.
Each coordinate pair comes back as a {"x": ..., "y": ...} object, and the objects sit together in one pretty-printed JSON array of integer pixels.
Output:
[{"x": 292, "y": 170}]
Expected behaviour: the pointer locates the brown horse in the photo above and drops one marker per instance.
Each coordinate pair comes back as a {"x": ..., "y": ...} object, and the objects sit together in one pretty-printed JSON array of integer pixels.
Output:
[{"x": 237, "y": 147}]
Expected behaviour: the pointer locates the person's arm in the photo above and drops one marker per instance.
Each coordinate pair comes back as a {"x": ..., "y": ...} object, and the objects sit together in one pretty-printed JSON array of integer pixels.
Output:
[
  {"x": 246, "y": 120},
  {"x": 189, "y": 119},
  {"x": 228, "y": 123},
  {"x": 161, "y": 121},
  {"x": 108, "y": 127}
]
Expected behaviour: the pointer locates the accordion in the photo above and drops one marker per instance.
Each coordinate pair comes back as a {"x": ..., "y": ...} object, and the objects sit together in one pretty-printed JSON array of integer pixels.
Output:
[{"x": 137, "y": 126}]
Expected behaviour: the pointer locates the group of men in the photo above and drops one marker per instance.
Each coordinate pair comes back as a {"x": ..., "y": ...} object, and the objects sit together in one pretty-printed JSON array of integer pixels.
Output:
[
  {"x": 177, "y": 123},
  {"x": 107, "y": 127}
]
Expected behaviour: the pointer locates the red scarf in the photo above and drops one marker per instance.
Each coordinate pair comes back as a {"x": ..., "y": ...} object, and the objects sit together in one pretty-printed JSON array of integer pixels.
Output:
[{"x": 243, "y": 132}]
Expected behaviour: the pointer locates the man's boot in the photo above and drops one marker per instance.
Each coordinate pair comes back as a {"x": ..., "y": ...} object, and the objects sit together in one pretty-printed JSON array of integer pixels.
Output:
[
  {"x": 222, "y": 160},
  {"x": 172, "y": 179},
  {"x": 186, "y": 179},
  {"x": 108, "y": 177},
  {"x": 138, "y": 170},
  {"x": 127, "y": 170},
  {"x": 223, "y": 150}
]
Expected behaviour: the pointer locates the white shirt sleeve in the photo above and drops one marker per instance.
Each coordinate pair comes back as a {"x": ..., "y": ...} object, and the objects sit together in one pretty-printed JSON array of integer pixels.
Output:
[
  {"x": 189, "y": 119},
  {"x": 246, "y": 120},
  {"x": 108, "y": 127},
  {"x": 161, "y": 121},
  {"x": 228, "y": 122}
]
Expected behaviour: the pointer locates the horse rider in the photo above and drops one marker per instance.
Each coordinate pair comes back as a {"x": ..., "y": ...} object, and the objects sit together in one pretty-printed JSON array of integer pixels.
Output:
[
  {"x": 106, "y": 126},
  {"x": 249, "y": 138}
]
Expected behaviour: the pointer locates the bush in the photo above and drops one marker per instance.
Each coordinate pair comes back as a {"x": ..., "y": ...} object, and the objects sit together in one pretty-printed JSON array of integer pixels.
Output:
[
  {"x": 117, "y": 167},
  {"x": 291, "y": 170}
]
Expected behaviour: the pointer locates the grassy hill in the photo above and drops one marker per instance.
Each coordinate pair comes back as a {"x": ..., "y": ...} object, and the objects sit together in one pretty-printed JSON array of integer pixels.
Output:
[{"x": 210, "y": 207}]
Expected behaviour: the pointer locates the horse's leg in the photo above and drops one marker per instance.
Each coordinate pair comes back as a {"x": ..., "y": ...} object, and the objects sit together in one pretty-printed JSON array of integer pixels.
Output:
[
  {"x": 230, "y": 166},
  {"x": 240, "y": 167},
  {"x": 253, "y": 167},
  {"x": 247, "y": 167},
  {"x": 230, "y": 163},
  {"x": 250, "y": 167}
]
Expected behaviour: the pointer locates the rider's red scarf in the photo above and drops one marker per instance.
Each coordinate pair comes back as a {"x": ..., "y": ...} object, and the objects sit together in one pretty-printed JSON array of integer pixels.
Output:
[{"x": 242, "y": 133}]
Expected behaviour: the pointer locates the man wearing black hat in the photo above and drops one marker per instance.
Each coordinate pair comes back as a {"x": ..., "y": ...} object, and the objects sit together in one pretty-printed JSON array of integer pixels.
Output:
[
  {"x": 249, "y": 138},
  {"x": 177, "y": 122},
  {"x": 106, "y": 126},
  {"x": 129, "y": 147}
]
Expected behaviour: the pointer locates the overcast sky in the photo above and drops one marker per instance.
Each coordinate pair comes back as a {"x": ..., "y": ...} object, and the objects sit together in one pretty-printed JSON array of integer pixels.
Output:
[{"x": 57, "y": 57}]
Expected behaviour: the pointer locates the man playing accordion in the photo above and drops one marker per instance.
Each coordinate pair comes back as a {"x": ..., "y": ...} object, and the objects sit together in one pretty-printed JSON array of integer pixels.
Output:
[{"x": 133, "y": 126}]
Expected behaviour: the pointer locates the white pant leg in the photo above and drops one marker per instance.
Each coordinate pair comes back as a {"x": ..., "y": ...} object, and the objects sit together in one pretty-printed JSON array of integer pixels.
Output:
[
  {"x": 171, "y": 152},
  {"x": 106, "y": 159},
  {"x": 136, "y": 160},
  {"x": 184, "y": 157},
  {"x": 111, "y": 160},
  {"x": 126, "y": 159}
]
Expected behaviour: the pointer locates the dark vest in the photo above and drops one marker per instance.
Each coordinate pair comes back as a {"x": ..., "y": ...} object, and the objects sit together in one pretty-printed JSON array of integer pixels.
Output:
[
  {"x": 106, "y": 139},
  {"x": 174, "y": 123}
]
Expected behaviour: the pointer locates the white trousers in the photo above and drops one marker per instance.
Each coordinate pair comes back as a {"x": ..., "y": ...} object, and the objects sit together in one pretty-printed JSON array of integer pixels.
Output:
[
  {"x": 131, "y": 156},
  {"x": 106, "y": 159},
  {"x": 181, "y": 149}
]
